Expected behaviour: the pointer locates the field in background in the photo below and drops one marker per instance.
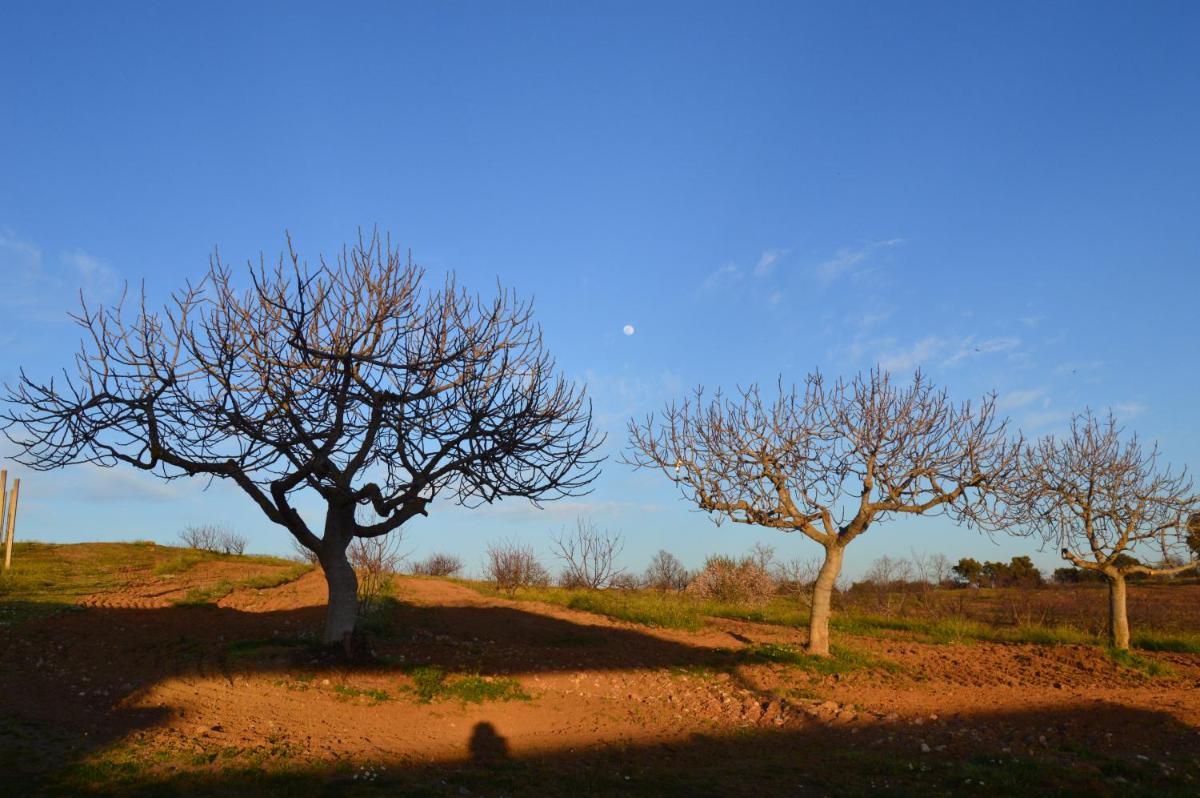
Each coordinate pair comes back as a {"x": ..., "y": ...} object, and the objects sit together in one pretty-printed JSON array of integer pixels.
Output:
[
  {"x": 1165, "y": 617},
  {"x": 136, "y": 668}
]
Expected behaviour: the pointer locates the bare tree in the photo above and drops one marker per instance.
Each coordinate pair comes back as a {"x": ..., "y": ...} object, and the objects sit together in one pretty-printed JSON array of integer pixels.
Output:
[
  {"x": 796, "y": 577},
  {"x": 763, "y": 555},
  {"x": 666, "y": 572},
  {"x": 885, "y": 571},
  {"x": 200, "y": 536},
  {"x": 1102, "y": 500},
  {"x": 233, "y": 543},
  {"x": 439, "y": 564},
  {"x": 829, "y": 461},
  {"x": 375, "y": 561},
  {"x": 588, "y": 555},
  {"x": 348, "y": 379},
  {"x": 214, "y": 538},
  {"x": 511, "y": 566}
]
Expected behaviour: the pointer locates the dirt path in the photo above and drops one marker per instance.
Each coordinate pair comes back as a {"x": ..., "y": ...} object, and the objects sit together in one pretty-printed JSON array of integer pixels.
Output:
[{"x": 128, "y": 668}]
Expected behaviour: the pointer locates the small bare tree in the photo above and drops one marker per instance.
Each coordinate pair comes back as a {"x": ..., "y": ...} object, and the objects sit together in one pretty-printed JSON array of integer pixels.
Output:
[
  {"x": 796, "y": 577},
  {"x": 233, "y": 543},
  {"x": 439, "y": 565},
  {"x": 829, "y": 461},
  {"x": 1102, "y": 500},
  {"x": 214, "y": 538},
  {"x": 349, "y": 380},
  {"x": 666, "y": 572},
  {"x": 588, "y": 555},
  {"x": 375, "y": 561},
  {"x": 511, "y": 566},
  {"x": 200, "y": 536}
]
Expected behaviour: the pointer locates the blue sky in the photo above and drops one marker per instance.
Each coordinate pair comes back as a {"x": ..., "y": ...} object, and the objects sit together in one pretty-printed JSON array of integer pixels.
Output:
[{"x": 1005, "y": 195}]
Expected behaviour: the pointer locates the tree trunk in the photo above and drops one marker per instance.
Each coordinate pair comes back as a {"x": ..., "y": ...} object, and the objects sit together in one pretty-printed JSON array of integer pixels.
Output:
[
  {"x": 1118, "y": 618},
  {"x": 342, "y": 612},
  {"x": 818, "y": 624}
]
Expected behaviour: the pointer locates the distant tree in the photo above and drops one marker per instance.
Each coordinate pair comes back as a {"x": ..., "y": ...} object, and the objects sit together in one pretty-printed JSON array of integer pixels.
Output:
[
  {"x": 828, "y": 461},
  {"x": 969, "y": 572},
  {"x": 588, "y": 554},
  {"x": 666, "y": 572},
  {"x": 1193, "y": 535},
  {"x": 724, "y": 578},
  {"x": 1101, "y": 498},
  {"x": 350, "y": 381},
  {"x": 1023, "y": 573},
  {"x": 511, "y": 566},
  {"x": 439, "y": 565}
]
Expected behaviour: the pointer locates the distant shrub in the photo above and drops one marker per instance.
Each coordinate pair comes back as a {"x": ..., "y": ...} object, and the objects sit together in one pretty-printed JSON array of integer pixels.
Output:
[
  {"x": 439, "y": 565},
  {"x": 511, "y": 566},
  {"x": 666, "y": 572},
  {"x": 624, "y": 582},
  {"x": 588, "y": 555},
  {"x": 214, "y": 538},
  {"x": 375, "y": 560},
  {"x": 742, "y": 581}
]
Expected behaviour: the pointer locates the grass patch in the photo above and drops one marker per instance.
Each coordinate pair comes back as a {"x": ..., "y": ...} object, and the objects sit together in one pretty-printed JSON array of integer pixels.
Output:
[
  {"x": 644, "y": 607},
  {"x": 841, "y": 659},
  {"x": 211, "y": 594},
  {"x": 681, "y": 611},
  {"x": 1127, "y": 659},
  {"x": 433, "y": 684},
  {"x": 265, "y": 647},
  {"x": 1177, "y": 642},
  {"x": 347, "y": 693}
]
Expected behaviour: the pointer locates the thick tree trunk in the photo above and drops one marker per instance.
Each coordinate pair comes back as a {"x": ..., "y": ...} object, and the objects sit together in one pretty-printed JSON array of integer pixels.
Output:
[
  {"x": 342, "y": 612},
  {"x": 1118, "y": 618},
  {"x": 818, "y": 624}
]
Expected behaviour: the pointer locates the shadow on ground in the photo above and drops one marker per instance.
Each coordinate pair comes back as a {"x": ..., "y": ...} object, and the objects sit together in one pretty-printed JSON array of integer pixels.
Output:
[{"x": 62, "y": 676}]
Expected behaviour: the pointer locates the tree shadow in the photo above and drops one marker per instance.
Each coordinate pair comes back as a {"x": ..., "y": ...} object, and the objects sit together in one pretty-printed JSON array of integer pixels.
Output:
[{"x": 66, "y": 682}]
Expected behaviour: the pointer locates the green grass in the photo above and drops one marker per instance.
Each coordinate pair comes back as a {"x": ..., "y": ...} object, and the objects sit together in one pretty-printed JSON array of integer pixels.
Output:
[
  {"x": 187, "y": 559},
  {"x": 249, "y": 649},
  {"x": 841, "y": 659},
  {"x": 433, "y": 684},
  {"x": 644, "y": 607},
  {"x": 1178, "y": 642},
  {"x": 1128, "y": 659},
  {"x": 680, "y": 611},
  {"x": 211, "y": 594},
  {"x": 347, "y": 693}
]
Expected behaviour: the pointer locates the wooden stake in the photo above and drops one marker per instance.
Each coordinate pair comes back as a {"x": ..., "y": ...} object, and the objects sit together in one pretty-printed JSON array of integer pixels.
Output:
[
  {"x": 3, "y": 498},
  {"x": 12, "y": 523}
]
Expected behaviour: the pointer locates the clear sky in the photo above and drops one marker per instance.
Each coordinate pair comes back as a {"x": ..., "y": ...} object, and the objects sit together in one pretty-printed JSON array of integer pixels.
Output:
[{"x": 1005, "y": 195}]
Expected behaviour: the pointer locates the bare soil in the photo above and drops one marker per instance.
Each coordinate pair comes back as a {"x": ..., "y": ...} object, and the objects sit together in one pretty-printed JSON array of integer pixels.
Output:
[{"x": 129, "y": 694}]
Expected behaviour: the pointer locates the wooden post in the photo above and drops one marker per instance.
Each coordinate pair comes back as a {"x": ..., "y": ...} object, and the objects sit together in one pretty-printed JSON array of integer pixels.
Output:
[
  {"x": 3, "y": 499},
  {"x": 12, "y": 523}
]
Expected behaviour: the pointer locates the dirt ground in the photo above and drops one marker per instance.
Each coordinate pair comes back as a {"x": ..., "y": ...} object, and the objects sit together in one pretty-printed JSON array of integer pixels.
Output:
[{"x": 129, "y": 694}]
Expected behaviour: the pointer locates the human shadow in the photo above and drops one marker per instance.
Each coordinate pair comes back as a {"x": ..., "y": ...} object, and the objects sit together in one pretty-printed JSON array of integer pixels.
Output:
[{"x": 486, "y": 745}]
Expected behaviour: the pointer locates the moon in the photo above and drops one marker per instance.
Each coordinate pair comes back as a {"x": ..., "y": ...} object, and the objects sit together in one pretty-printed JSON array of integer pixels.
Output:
[{"x": 627, "y": 329}]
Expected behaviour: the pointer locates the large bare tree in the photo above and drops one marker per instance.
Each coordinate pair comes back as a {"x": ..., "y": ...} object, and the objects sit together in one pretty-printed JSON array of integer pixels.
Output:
[
  {"x": 829, "y": 461},
  {"x": 348, "y": 379},
  {"x": 1105, "y": 502}
]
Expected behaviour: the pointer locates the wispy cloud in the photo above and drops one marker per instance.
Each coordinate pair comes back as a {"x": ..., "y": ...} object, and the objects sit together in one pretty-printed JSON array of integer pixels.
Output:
[
  {"x": 1015, "y": 399},
  {"x": 847, "y": 258},
  {"x": 1128, "y": 410},
  {"x": 972, "y": 347},
  {"x": 42, "y": 288},
  {"x": 117, "y": 484},
  {"x": 912, "y": 356},
  {"x": 94, "y": 276},
  {"x": 767, "y": 262},
  {"x": 722, "y": 277},
  {"x": 560, "y": 511}
]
